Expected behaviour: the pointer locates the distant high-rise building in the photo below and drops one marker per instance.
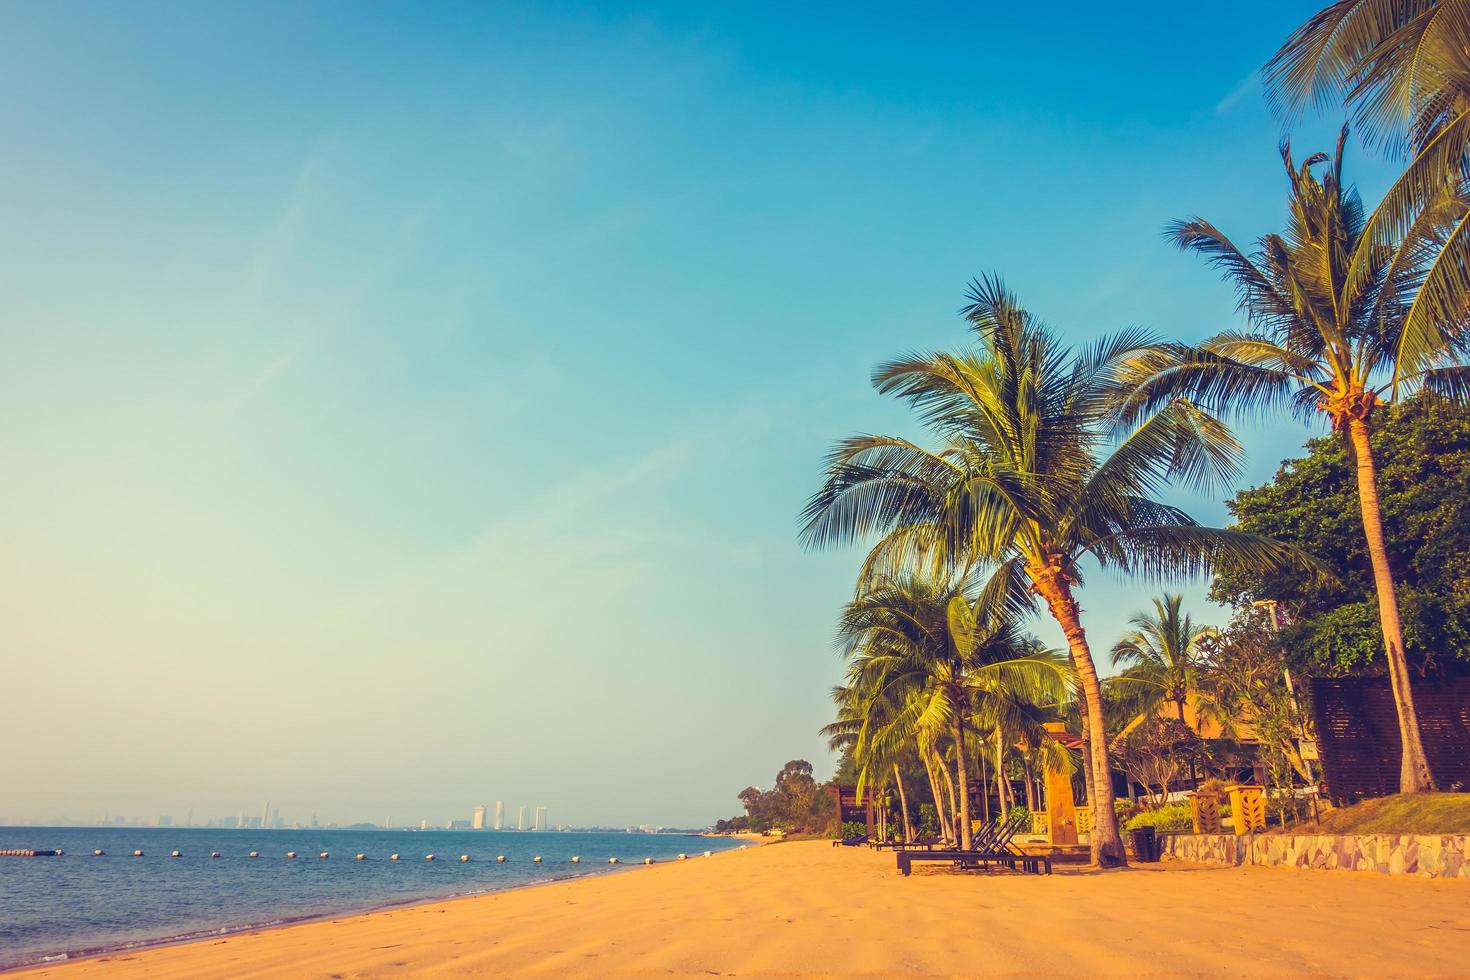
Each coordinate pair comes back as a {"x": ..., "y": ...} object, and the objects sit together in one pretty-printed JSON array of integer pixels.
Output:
[
  {"x": 479, "y": 821},
  {"x": 388, "y": 824},
  {"x": 521, "y": 815},
  {"x": 164, "y": 820},
  {"x": 540, "y": 823},
  {"x": 276, "y": 821},
  {"x": 499, "y": 815},
  {"x": 265, "y": 814},
  {"x": 313, "y": 818},
  {"x": 423, "y": 825},
  {"x": 240, "y": 821}
]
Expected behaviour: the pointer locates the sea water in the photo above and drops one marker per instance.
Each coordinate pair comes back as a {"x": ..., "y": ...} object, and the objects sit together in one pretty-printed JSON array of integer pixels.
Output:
[{"x": 77, "y": 904}]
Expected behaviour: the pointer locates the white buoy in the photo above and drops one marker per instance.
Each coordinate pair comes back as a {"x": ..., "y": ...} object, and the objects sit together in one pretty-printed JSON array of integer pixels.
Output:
[
  {"x": 612, "y": 860},
  {"x": 360, "y": 857},
  {"x": 323, "y": 855},
  {"x": 254, "y": 854},
  {"x": 392, "y": 857},
  {"x": 98, "y": 853},
  {"x": 648, "y": 860},
  {"x": 683, "y": 857},
  {"x": 708, "y": 854},
  {"x": 174, "y": 854},
  {"x": 500, "y": 859},
  {"x": 214, "y": 854},
  {"x": 59, "y": 852},
  {"x": 137, "y": 854},
  {"x": 290, "y": 854},
  {"x": 576, "y": 860},
  {"x": 428, "y": 857},
  {"x": 536, "y": 859},
  {"x": 463, "y": 858}
]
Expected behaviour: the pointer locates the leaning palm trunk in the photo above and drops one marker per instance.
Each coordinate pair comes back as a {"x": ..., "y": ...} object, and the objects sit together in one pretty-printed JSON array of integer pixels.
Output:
[
  {"x": 1000, "y": 786},
  {"x": 1107, "y": 841},
  {"x": 962, "y": 786},
  {"x": 952, "y": 809},
  {"x": 945, "y": 827},
  {"x": 903, "y": 803},
  {"x": 1414, "y": 775}
]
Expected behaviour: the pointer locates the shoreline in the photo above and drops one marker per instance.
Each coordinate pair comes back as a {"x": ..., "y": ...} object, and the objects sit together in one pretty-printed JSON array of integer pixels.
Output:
[
  {"x": 63, "y": 958},
  {"x": 810, "y": 909}
]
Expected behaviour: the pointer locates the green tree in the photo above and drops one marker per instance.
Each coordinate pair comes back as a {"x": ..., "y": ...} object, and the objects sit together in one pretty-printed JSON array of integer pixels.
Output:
[
  {"x": 1424, "y": 480},
  {"x": 1326, "y": 308},
  {"x": 1029, "y": 480}
]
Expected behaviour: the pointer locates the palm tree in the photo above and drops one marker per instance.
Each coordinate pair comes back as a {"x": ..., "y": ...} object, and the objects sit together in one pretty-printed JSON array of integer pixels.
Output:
[
  {"x": 1029, "y": 481},
  {"x": 854, "y": 711},
  {"x": 1401, "y": 66},
  {"x": 1162, "y": 657},
  {"x": 1327, "y": 307},
  {"x": 922, "y": 666}
]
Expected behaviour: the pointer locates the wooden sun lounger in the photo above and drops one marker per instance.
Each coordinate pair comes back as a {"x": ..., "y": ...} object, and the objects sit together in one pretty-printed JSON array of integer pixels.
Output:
[{"x": 992, "y": 847}]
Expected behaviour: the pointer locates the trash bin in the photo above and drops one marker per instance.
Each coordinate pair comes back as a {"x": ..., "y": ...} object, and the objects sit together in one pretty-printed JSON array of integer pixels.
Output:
[{"x": 1144, "y": 844}]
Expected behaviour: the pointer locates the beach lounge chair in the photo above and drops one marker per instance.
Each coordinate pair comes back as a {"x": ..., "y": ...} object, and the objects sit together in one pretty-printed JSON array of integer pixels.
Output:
[{"x": 993, "y": 845}]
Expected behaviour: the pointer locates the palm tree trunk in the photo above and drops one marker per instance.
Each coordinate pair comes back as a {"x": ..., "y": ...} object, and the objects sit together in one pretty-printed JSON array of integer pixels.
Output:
[
  {"x": 953, "y": 810},
  {"x": 962, "y": 786},
  {"x": 903, "y": 802},
  {"x": 1000, "y": 786},
  {"x": 1030, "y": 783},
  {"x": 1107, "y": 842},
  {"x": 938, "y": 796},
  {"x": 1414, "y": 775}
]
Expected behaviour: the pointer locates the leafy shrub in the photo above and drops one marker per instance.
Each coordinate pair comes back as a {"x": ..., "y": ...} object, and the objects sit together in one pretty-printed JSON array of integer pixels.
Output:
[
  {"x": 1170, "y": 817},
  {"x": 853, "y": 828}
]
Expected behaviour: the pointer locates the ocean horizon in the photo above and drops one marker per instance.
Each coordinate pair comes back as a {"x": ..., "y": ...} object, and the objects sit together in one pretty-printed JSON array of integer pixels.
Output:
[{"x": 58, "y": 908}]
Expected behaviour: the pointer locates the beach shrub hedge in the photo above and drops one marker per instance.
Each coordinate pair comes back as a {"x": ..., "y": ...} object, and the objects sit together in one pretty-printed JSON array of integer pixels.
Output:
[{"x": 1170, "y": 817}]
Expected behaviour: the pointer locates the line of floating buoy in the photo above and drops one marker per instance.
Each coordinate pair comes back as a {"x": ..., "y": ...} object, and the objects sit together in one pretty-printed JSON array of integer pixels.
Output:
[{"x": 325, "y": 855}]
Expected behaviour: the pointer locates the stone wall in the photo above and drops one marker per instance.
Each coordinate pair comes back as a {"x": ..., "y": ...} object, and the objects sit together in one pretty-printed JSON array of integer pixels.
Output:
[{"x": 1391, "y": 854}]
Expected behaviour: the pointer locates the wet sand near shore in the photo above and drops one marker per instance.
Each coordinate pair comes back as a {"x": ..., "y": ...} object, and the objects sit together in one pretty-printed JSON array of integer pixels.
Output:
[{"x": 808, "y": 909}]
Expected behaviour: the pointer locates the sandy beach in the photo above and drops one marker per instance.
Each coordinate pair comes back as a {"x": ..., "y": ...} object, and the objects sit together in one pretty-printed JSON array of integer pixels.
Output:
[{"x": 807, "y": 909}]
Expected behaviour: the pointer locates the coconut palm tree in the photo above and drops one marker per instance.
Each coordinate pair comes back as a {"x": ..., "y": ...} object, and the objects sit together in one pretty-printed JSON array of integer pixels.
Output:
[
  {"x": 1327, "y": 308},
  {"x": 1403, "y": 69},
  {"x": 922, "y": 667},
  {"x": 854, "y": 711},
  {"x": 1162, "y": 658},
  {"x": 1032, "y": 478}
]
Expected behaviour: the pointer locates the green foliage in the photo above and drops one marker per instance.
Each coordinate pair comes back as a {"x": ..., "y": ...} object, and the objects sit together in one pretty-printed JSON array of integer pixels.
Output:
[
  {"x": 853, "y": 828},
  {"x": 795, "y": 804},
  {"x": 1423, "y": 452},
  {"x": 1170, "y": 817},
  {"x": 928, "y": 820}
]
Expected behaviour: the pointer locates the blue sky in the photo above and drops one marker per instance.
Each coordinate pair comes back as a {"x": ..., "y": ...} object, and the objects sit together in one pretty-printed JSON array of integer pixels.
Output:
[{"x": 404, "y": 407}]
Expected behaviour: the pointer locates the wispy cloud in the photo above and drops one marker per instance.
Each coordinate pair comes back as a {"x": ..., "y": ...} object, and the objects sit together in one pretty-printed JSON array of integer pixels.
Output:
[{"x": 1249, "y": 85}]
